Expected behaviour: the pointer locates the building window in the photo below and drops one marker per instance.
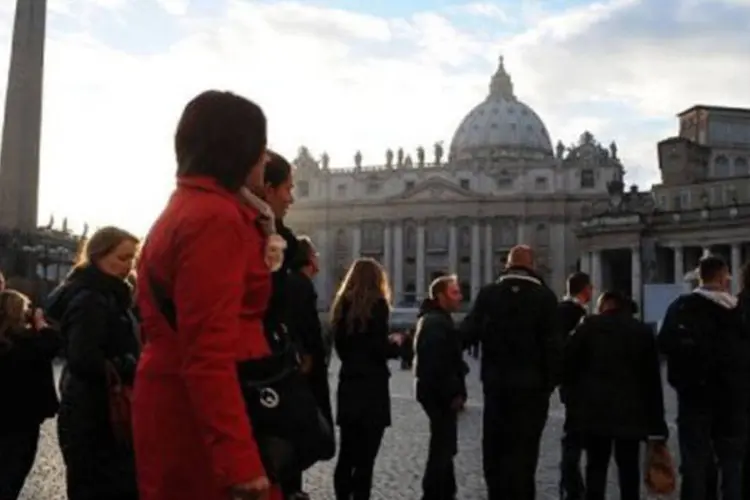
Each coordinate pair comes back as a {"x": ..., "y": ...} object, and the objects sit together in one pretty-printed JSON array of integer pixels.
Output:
[
  {"x": 684, "y": 200},
  {"x": 740, "y": 167},
  {"x": 373, "y": 187},
  {"x": 464, "y": 183},
  {"x": 303, "y": 189},
  {"x": 540, "y": 183},
  {"x": 721, "y": 167},
  {"x": 409, "y": 185},
  {"x": 341, "y": 190},
  {"x": 587, "y": 178}
]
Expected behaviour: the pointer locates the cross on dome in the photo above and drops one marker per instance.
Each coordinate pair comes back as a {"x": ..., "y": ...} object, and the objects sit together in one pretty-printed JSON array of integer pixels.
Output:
[{"x": 501, "y": 84}]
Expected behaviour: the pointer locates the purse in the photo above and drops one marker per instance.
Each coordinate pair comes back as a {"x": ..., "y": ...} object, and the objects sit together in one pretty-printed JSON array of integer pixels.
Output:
[
  {"x": 120, "y": 398},
  {"x": 290, "y": 430},
  {"x": 659, "y": 472}
]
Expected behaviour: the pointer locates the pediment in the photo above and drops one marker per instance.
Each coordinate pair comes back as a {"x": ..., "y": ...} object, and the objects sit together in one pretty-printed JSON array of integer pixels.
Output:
[{"x": 436, "y": 189}]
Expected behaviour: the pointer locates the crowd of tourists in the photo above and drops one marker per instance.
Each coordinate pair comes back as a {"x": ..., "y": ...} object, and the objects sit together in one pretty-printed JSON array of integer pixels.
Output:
[{"x": 196, "y": 367}]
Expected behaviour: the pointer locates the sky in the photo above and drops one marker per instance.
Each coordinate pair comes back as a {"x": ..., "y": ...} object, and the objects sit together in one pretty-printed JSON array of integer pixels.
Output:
[{"x": 346, "y": 75}]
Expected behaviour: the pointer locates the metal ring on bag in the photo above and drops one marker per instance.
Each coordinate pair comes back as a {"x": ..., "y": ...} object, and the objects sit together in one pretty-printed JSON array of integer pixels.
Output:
[{"x": 269, "y": 398}]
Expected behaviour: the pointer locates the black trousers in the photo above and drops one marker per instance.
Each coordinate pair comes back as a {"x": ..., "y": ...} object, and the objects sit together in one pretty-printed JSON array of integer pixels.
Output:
[
  {"x": 571, "y": 479},
  {"x": 17, "y": 454},
  {"x": 598, "y": 455},
  {"x": 360, "y": 443},
  {"x": 513, "y": 422},
  {"x": 439, "y": 481}
]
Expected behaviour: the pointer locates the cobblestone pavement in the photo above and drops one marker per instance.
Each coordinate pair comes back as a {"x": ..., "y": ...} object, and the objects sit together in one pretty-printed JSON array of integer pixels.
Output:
[{"x": 400, "y": 462}]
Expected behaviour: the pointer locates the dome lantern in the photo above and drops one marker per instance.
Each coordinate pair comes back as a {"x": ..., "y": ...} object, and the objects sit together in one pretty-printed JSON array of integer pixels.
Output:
[{"x": 501, "y": 84}]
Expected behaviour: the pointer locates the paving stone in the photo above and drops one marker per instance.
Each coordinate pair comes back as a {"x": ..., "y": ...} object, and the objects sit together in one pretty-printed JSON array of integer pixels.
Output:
[{"x": 400, "y": 463}]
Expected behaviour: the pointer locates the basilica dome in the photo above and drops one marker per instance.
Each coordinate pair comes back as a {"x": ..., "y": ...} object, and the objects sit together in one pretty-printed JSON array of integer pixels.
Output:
[{"x": 501, "y": 125}]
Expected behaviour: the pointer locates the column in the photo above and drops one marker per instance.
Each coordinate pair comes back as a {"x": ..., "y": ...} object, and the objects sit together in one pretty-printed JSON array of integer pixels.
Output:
[
  {"x": 356, "y": 242},
  {"x": 489, "y": 253},
  {"x": 475, "y": 256},
  {"x": 521, "y": 232},
  {"x": 398, "y": 262},
  {"x": 596, "y": 271},
  {"x": 387, "y": 249},
  {"x": 585, "y": 263},
  {"x": 679, "y": 264},
  {"x": 452, "y": 248},
  {"x": 420, "y": 285},
  {"x": 636, "y": 275},
  {"x": 736, "y": 263}
]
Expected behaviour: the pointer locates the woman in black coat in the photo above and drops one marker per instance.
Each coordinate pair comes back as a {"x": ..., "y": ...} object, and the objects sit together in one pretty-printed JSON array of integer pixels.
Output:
[
  {"x": 360, "y": 323},
  {"x": 27, "y": 387},
  {"x": 93, "y": 308}
]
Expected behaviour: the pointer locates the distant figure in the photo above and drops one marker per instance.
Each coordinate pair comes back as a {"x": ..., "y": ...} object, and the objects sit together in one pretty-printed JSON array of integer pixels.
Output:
[{"x": 515, "y": 321}]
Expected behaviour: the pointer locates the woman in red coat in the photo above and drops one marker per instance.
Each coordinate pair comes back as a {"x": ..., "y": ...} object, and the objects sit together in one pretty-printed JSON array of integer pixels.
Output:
[{"x": 207, "y": 254}]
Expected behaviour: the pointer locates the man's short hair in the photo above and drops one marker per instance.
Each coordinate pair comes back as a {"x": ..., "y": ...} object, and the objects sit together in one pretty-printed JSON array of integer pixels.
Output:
[
  {"x": 577, "y": 283},
  {"x": 710, "y": 267},
  {"x": 441, "y": 284}
]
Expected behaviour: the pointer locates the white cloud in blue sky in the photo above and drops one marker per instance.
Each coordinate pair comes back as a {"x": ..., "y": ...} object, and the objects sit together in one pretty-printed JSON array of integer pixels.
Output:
[{"x": 343, "y": 75}]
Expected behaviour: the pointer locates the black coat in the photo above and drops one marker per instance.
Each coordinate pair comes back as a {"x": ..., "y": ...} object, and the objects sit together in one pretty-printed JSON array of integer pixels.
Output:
[
  {"x": 612, "y": 378},
  {"x": 439, "y": 366},
  {"x": 516, "y": 321},
  {"x": 94, "y": 314},
  {"x": 27, "y": 384},
  {"x": 363, "y": 395},
  {"x": 570, "y": 314},
  {"x": 708, "y": 351},
  {"x": 304, "y": 324}
]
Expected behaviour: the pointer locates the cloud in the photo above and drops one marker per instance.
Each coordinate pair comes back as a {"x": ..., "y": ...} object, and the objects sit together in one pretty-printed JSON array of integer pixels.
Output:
[
  {"x": 175, "y": 7},
  {"x": 341, "y": 81}
]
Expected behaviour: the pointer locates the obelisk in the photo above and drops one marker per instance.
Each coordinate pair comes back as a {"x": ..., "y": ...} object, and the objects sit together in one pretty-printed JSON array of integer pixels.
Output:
[{"x": 19, "y": 158}]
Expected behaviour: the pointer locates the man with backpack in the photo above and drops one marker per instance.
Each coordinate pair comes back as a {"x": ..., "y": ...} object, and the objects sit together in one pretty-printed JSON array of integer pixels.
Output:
[
  {"x": 708, "y": 365},
  {"x": 515, "y": 320}
]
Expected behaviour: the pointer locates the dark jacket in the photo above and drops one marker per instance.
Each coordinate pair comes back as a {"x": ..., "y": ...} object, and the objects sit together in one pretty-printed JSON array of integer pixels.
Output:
[
  {"x": 277, "y": 313},
  {"x": 93, "y": 312},
  {"x": 363, "y": 395},
  {"x": 439, "y": 366},
  {"x": 707, "y": 350},
  {"x": 516, "y": 321},
  {"x": 570, "y": 312},
  {"x": 612, "y": 378},
  {"x": 27, "y": 384},
  {"x": 304, "y": 324}
]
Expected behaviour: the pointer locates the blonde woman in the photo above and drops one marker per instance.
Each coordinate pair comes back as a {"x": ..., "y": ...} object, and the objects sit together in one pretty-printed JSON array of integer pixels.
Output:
[
  {"x": 27, "y": 387},
  {"x": 100, "y": 341},
  {"x": 360, "y": 322}
]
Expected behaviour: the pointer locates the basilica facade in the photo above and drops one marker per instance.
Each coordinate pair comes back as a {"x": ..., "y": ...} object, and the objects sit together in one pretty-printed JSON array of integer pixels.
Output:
[{"x": 501, "y": 183}]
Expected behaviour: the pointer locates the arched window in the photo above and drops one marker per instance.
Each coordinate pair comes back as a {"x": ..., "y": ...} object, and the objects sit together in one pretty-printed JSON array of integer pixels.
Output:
[{"x": 721, "y": 167}]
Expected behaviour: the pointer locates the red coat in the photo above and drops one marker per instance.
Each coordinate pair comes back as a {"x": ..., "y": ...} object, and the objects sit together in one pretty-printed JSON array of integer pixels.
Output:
[{"x": 192, "y": 436}]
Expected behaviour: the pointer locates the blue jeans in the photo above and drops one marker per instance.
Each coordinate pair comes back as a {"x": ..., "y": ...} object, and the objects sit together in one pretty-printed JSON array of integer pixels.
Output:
[{"x": 708, "y": 437}]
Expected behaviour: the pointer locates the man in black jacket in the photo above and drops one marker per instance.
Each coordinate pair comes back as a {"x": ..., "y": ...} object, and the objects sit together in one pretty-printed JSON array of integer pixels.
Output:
[
  {"x": 708, "y": 364},
  {"x": 440, "y": 372},
  {"x": 571, "y": 310},
  {"x": 515, "y": 320}
]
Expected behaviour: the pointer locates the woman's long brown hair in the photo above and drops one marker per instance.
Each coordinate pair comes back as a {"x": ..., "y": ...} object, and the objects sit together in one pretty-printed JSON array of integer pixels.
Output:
[
  {"x": 12, "y": 307},
  {"x": 365, "y": 284}
]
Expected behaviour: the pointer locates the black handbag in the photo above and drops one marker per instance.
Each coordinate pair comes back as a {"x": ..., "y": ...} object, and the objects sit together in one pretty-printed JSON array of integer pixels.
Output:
[{"x": 290, "y": 430}]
